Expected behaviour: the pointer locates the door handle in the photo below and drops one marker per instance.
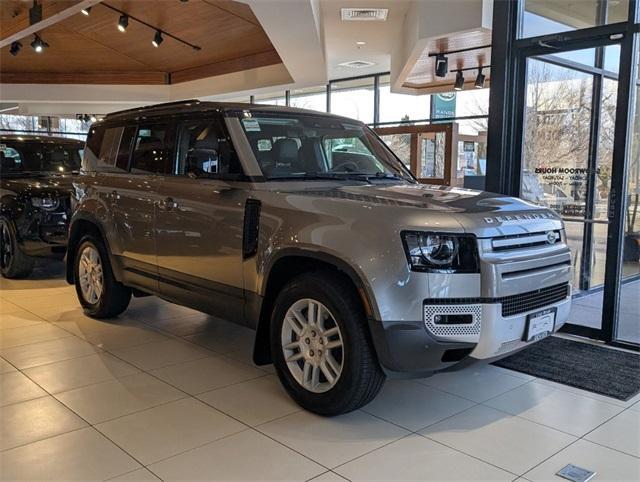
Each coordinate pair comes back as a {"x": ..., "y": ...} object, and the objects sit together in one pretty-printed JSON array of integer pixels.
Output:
[{"x": 167, "y": 204}]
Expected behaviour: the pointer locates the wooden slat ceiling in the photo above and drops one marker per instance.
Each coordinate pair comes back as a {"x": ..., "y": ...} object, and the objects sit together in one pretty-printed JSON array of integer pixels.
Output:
[
  {"x": 90, "y": 49},
  {"x": 422, "y": 75}
]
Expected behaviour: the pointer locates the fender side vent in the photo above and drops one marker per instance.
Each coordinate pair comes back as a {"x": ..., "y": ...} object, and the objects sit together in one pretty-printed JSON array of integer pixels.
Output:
[{"x": 250, "y": 232}]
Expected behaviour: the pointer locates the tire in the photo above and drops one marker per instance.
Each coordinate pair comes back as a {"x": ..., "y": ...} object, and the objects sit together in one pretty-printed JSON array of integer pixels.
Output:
[
  {"x": 348, "y": 351},
  {"x": 110, "y": 297},
  {"x": 14, "y": 264}
]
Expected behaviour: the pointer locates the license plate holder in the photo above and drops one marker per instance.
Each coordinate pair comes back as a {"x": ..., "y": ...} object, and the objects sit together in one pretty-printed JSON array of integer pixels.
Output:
[{"x": 540, "y": 324}]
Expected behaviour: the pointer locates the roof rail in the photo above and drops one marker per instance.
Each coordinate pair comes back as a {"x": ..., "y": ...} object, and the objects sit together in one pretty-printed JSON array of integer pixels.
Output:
[{"x": 152, "y": 107}]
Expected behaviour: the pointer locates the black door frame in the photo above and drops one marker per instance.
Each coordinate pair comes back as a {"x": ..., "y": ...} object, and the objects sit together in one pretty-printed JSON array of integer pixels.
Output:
[{"x": 506, "y": 122}]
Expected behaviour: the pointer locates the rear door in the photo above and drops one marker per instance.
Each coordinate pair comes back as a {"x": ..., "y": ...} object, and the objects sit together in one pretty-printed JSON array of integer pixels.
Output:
[
  {"x": 134, "y": 198},
  {"x": 200, "y": 221}
]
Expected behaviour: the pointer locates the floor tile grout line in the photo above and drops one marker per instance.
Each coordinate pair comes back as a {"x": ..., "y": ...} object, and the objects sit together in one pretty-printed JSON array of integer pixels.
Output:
[
  {"x": 587, "y": 394},
  {"x": 540, "y": 423},
  {"x": 256, "y": 429},
  {"x": 411, "y": 432},
  {"x": 44, "y": 438}
]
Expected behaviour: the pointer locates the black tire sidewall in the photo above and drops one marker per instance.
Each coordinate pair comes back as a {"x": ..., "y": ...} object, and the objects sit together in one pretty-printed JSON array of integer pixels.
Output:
[
  {"x": 346, "y": 312},
  {"x": 20, "y": 265}
]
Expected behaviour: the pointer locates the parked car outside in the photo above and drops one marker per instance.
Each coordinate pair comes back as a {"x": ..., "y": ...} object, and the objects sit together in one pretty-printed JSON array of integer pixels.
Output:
[
  {"x": 35, "y": 186},
  {"x": 349, "y": 270}
]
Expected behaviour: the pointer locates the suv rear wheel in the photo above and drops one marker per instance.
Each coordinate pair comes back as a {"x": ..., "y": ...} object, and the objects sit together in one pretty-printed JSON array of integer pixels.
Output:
[
  {"x": 100, "y": 294},
  {"x": 13, "y": 262},
  {"x": 321, "y": 346}
]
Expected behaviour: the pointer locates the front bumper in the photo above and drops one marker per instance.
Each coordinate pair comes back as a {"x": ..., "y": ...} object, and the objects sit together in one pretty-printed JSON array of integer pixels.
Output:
[
  {"x": 42, "y": 233},
  {"x": 411, "y": 350}
]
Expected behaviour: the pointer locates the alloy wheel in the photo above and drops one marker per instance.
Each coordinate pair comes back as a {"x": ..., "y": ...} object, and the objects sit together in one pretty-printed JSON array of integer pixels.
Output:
[
  {"x": 90, "y": 275},
  {"x": 312, "y": 345}
]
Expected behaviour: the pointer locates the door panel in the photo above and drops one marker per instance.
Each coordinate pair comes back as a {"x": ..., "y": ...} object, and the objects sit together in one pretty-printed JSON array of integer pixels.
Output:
[
  {"x": 199, "y": 243},
  {"x": 132, "y": 201}
]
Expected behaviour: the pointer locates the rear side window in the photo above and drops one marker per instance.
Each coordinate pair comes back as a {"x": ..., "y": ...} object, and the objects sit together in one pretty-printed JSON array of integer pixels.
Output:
[
  {"x": 109, "y": 146},
  {"x": 150, "y": 150},
  {"x": 92, "y": 148},
  {"x": 124, "y": 150}
]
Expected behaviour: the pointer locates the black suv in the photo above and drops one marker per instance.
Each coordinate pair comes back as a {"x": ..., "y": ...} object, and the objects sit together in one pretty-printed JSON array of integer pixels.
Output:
[{"x": 36, "y": 173}]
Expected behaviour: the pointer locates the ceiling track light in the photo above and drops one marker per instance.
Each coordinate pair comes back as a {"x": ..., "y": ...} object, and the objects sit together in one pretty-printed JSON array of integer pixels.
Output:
[
  {"x": 38, "y": 44},
  {"x": 479, "y": 83},
  {"x": 15, "y": 48},
  {"x": 157, "y": 39},
  {"x": 123, "y": 22},
  {"x": 459, "y": 84},
  {"x": 442, "y": 65},
  {"x": 159, "y": 35},
  {"x": 86, "y": 11}
]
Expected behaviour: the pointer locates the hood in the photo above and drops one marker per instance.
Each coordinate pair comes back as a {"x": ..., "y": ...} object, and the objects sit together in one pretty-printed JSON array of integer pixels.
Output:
[
  {"x": 58, "y": 184},
  {"x": 482, "y": 213}
]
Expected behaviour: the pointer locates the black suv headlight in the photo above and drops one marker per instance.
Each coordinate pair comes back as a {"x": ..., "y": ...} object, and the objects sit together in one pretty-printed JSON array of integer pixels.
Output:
[
  {"x": 46, "y": 203},
  {"x": 441, "y": 252}
]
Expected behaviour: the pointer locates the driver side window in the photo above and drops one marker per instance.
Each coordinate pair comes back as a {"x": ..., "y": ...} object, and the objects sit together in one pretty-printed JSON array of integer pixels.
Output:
[{"x": 204, "y": 150}]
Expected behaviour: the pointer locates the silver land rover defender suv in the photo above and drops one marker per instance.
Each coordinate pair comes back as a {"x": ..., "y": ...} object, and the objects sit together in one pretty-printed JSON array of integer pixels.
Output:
[{"x": 307, "y": 228}]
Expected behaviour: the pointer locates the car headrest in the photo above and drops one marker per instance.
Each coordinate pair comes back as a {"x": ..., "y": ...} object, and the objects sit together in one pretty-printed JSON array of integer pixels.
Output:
[
  {"x": 57, "y": 156},
  {"x": 7, "y": 162},
  {"x": 207, "y": 139},
  {"x": 285, "y": 151}
]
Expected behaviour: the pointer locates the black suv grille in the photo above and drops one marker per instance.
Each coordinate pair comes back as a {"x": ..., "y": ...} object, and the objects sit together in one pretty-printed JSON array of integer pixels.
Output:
[{"x": 516, "y": 304}]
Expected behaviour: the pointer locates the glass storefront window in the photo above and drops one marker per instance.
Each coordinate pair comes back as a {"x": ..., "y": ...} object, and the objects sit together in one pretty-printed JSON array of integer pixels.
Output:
[
  {"x": 314, "y": 98},
  {"x": 401, "y": 107},
  {"x": 472, "y": 102},
  {"x": 354, "y": 99},
  {"x": 400, "y": 144},
  {"x": 543, "y": 17},
  {"x": 270, "y": 99}
]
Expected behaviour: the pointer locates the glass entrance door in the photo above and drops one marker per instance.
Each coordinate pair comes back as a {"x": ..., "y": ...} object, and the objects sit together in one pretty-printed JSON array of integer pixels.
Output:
[{"x": 567, "y": 146}]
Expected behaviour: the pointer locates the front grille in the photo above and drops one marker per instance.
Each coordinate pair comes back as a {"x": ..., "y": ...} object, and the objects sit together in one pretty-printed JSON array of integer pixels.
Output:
[
  {"x": 511, "y": 305},
  {"x": 516, "y": 304},
  {"x": 519, "y": 241}
]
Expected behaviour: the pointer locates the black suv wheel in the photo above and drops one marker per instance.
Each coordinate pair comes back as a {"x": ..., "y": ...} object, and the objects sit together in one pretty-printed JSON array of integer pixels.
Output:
[
  {"x": 321, "y": 346},
  {"x": 13, "y": 262},
  {"x": 100, "y": 294}
]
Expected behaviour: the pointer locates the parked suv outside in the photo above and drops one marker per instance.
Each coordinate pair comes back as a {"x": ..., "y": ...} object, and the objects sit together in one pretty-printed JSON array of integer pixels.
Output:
[
  {"x": 307, "y": 228},
  {"x": 35, "y": 186}
]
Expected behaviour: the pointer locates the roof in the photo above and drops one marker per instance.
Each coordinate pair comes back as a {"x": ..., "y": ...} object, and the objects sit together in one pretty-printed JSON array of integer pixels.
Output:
[
  {"x": 40, "y": 139},
  {"x": 198, "y": 106}
]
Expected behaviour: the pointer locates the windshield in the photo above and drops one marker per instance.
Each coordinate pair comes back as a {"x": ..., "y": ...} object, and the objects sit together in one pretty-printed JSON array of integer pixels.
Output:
[
  {"x": 19, "y": 157},
  {"x": 310, "y": 147}
]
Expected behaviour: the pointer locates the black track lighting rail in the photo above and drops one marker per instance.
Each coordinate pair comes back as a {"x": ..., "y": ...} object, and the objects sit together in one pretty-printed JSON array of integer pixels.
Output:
[
  {"x": 163, "y": 32},
  {"x": 468, "y": 49},
  {"x": 470, "y": 68}
]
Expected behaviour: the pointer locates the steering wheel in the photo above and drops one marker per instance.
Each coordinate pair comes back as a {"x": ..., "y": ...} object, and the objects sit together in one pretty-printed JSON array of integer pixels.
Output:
[{"x": 344, "y": 165}]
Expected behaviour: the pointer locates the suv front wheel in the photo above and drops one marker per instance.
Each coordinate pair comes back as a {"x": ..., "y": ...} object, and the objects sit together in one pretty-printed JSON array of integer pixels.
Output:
[
  {"x": 321, "y": 346},
  {"x": 100, "y": 294}
]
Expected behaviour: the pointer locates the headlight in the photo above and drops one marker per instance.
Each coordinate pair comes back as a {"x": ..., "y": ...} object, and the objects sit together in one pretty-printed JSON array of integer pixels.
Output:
[
  {"x": 441, "y": 252},
  {"x": 46, "y": 203}
]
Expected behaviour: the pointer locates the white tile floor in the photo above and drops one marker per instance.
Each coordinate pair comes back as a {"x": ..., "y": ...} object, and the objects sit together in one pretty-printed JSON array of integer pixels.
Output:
[{"x": 166, "y": 392}]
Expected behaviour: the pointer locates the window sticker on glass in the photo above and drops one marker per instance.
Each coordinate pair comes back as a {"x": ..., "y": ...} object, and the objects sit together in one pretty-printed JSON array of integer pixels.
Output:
[{"x": 251, "y": 125}]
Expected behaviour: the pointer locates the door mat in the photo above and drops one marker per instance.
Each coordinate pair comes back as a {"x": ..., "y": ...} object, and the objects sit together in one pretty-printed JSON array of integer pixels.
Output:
[{"x": 597, "y": 369}]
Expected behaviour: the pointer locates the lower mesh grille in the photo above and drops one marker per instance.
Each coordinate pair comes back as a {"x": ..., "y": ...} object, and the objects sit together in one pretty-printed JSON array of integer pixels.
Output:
[{"x": 516, "y": 304}]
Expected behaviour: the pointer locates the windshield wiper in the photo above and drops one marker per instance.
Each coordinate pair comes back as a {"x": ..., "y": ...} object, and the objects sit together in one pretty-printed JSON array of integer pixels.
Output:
[
  {"x": 375, "y": 176},
  {"x": 314, "y": 176}
]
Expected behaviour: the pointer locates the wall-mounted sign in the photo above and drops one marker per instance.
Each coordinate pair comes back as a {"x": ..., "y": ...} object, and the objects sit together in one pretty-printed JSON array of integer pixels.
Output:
[{"x": 444, "y": 105}]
